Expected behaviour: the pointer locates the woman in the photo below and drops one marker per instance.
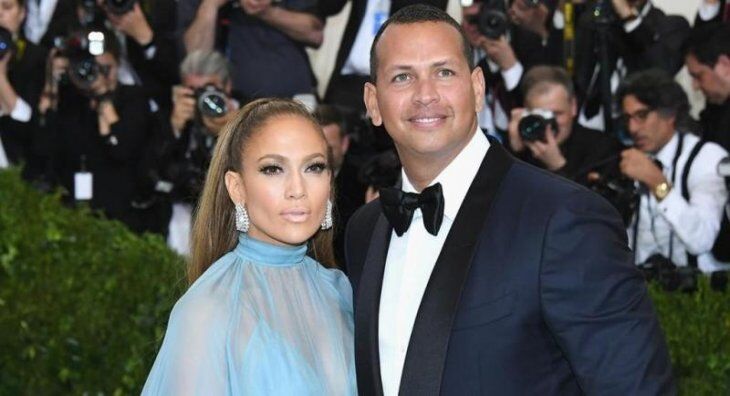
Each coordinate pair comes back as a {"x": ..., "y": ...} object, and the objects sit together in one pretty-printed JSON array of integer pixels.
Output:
[{"x": 263, "y": 318}]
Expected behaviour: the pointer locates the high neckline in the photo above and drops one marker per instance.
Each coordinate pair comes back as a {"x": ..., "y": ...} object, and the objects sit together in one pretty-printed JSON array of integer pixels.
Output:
[{"x": 269, "y": 254}]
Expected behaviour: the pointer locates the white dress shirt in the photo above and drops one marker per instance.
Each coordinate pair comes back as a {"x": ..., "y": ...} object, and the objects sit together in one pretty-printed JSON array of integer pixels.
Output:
[
  {"x": 492, "y": 116},
  {"x": 358, "y": 61},
  {"x": 411, "y": 258},
  {"x": 694, "y": 224},
  {"x": 39, "y": 15}
]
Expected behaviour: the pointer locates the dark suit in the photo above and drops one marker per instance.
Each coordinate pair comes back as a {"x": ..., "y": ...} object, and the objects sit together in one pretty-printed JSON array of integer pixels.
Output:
[{"x": 534, "y": 293}]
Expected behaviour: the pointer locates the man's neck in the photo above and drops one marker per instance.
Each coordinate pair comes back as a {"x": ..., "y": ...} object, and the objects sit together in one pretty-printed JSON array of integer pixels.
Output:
[{"x": 422, "y": 170}]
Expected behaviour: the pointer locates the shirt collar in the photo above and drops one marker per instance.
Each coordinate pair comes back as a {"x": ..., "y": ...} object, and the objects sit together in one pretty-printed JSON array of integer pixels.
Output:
[
  {"x": 457, "y": 177},
  {"x": 666, "y": 153}
]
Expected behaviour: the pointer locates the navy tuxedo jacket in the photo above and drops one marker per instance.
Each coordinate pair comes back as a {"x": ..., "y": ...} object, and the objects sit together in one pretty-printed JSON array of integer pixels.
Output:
[{"x": 534, "y": 293}]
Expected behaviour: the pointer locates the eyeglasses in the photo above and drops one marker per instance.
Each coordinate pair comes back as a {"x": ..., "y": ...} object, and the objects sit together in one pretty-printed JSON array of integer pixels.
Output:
[{"x": 638, "y": 115}]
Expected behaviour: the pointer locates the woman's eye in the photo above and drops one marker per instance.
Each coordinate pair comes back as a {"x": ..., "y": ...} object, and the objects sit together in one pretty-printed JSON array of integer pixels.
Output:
[
  {"x": 319, "y": 167},
  {"x": 270, "y": 169}
]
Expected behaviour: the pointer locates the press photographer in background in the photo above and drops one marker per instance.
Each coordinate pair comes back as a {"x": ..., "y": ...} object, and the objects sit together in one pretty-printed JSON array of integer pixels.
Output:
[
  {"x": 100, "y": 127},
  {"x": 507, "y": 41},
  {"x": 546, "y": 133},
  {"x": 202, "y": 105},
  {"x": 682, "y": 196},
  {"x": 22, "y": 71}
]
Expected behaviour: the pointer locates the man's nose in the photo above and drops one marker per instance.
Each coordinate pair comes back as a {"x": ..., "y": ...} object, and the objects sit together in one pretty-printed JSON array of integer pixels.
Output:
[{"x": 426, "y": 92}]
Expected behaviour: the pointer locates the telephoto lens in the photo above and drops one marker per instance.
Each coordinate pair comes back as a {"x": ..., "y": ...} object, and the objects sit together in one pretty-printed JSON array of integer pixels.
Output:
[{"x": 534, "y": 123}]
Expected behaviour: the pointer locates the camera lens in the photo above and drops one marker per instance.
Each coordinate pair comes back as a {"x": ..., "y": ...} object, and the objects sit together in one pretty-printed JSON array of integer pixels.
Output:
[
  {"x": 85, "y": 71},
  {"x": 492, "y": 23},
  {"x": 532, "y": 127},
  {"x": 212, "y": 103}
]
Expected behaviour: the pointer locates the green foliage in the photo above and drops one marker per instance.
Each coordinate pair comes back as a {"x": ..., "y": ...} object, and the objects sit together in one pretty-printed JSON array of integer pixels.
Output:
[
  {"x": 84, "y": 305},
  {"x": 83, "y": 301},
  {"x": 697, "y": 329}
]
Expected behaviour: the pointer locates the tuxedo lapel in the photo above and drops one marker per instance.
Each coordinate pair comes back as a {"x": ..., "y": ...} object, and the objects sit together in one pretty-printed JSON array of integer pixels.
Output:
[
  {"x": 426, "y": 355},
  {"x": 367, "y": 310}
]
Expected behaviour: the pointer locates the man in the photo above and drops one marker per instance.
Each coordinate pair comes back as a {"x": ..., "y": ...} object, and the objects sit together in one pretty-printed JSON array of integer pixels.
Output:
[
  {"x": 639, "y": 37},
  {"x": 350, "y": 192},
  {"x": 708, "y": 62},
  {"x": 524, "y": 286},
  {"x": 264, "y": 39},
  {"x": 712, "y": 11},
  {"x": 188, "y": 137},
  {"x": 680, "y": 210},
  {"x": 572, "y": 150}
]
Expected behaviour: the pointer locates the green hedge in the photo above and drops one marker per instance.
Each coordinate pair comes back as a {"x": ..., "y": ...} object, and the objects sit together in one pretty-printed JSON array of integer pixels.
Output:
[
  {"x": 83, "y": 301},
  {"x": 84, "y": 304}
]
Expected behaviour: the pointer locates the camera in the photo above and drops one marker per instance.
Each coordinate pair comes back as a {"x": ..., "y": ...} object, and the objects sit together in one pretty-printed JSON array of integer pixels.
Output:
[
  {"x": 534, "y": 123},
  {"x": 620, "y": 191},
  {"x": 492, "y": 19},
  {"x": 6, "y": 41},
  {"x": 211, "y": 101},
  {"x": 670, "y": 277},
  {"x": 603, "y": 12},
  {"x": 81, "y": 50}
]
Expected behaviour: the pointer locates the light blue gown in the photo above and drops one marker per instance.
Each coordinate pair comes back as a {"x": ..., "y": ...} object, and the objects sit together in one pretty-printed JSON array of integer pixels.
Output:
[{"x": 262, "y": 320}]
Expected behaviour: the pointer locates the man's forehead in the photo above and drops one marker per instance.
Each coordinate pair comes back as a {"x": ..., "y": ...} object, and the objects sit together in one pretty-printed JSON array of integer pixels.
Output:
[{"x": 404, "y": 35}]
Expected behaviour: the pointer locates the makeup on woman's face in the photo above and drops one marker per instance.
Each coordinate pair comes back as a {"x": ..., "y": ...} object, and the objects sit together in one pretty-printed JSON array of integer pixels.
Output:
[{"x": 286, "y": 180}]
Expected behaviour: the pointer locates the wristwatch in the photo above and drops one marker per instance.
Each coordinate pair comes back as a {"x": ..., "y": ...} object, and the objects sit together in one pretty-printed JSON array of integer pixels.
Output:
[{"x": 662, "y": 190}]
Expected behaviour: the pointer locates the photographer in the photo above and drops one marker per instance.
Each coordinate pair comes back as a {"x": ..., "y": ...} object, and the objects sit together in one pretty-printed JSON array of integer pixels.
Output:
[
  {"x": 507, "y": 42},
  {"x": 638, "y": 36},
  {"x": 264, "y": 39},
  {"x": 551, "y": 137},
  {"x": 22, "y": 71},
  {"x": 101, "y": 127},
  {"x": 682, "y": 195},
  {"x": 202, "y": 105},
  {"x": 708, "y": 62}
]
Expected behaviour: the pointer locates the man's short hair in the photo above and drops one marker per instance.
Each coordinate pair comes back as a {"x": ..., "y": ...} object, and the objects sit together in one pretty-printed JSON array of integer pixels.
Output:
[
  {"x": 657, "y": 90},
  {"x": 419, "y": 13},
  {"x": 206, "y": 63},
  {"x": 540, "y": 79},
  {"x": 328, "y": 115},
  {"x": 708, "y": 42}
]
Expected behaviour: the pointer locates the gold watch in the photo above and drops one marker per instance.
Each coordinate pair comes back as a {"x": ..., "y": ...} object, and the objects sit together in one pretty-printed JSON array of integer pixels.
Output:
[{"x": 662, "y": 190}]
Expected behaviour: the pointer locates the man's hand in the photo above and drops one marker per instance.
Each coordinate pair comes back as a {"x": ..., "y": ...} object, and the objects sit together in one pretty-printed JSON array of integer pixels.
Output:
[
  {"x": 183, "y": 109},
  {"x": 534, "y": 19},
  {"x": 622, "y": 8},
  {"x": 548, "y": 151},
  {"x": 255, "y": 7},
  {"x": 4, "y": 64},
  {"x": 108, "y": 116},
  {"x": 636, "y": 165},
  {"x": 134, "y": 24},
  {"x": 499, "y": 51},
  {"x": 515, "y": 141}
]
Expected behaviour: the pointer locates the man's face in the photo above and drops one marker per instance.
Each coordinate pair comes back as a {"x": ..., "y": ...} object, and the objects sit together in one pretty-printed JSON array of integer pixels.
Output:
[
  {"x": 714, "y": 82},
  {"x": 338, "y": 143},
  {"x": 564, "y": 107},
  {"x": 649, "y": 129},
  {"x": 425, "y": 95}
]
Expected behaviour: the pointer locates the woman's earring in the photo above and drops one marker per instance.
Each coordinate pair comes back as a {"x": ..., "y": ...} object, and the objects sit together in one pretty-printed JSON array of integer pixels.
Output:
[
  {"x": 242, "y": 222},
  {"x": 327, "y": 221}
]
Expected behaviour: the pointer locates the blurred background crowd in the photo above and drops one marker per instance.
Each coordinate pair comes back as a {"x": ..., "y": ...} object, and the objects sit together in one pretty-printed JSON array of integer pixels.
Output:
[{"x": 118, "y": 103}]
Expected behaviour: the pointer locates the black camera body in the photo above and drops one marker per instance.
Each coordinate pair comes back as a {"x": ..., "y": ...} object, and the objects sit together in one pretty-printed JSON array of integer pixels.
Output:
[
  {"x": 119, "y": 7},
  {"x": 671, "y": 277},
  {"x": 81, "y": 50},
  {"x": 211, "y": 102},
  {"x": 620, "y": 191},
  {"x": 492, "y": 20},
  {"x": 534, "y": 123}
]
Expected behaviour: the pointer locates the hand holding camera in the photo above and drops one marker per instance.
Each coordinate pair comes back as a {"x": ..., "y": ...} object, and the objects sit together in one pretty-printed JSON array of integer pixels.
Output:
[
  {"x": 636, "y": 165},
  {"x": 132, "y": 23},
  {"x": 536, "y": 130},
  {"x": 207, "y": 104},
  {"x": 530, "y": 15}
]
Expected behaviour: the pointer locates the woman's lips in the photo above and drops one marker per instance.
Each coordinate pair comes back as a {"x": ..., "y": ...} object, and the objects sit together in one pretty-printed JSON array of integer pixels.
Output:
[{"x": 295, "y": 215}]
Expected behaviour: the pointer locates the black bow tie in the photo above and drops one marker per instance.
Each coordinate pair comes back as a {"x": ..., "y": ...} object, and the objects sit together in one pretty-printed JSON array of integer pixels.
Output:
[{"x": 399, "y": 206}]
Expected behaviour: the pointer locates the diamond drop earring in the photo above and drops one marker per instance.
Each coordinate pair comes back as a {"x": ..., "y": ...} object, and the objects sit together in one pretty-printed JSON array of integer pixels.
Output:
[
  {"x": 242, "y": 222},
  {"x": 327, "y": 221}
]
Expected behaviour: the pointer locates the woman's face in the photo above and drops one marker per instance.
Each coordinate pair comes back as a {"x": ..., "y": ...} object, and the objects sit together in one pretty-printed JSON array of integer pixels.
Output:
[
  {"x": 11, "y": 15},
  {"x": 285, "y": 182}
]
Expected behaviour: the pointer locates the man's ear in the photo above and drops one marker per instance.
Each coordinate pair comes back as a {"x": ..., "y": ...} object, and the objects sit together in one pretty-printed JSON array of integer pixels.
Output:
[
  {"x": 345, "y": 143},
  {"x": 479, "y": 87},
  {"x": 235, "y": 187},
  {"x": 371, "y": 103}
]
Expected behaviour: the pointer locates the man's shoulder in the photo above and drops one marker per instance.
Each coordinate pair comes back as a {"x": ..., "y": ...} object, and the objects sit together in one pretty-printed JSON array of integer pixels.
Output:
[{"x": 365, "y": 216}]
